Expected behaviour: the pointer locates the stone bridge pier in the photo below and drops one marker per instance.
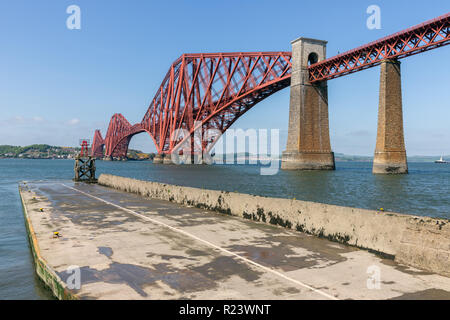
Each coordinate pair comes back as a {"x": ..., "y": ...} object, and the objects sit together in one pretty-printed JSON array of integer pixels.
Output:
[
  {"x": 390, "y": 152},
  {"x": 308, "y": 144},
  {"x": 159, "y": 158}
]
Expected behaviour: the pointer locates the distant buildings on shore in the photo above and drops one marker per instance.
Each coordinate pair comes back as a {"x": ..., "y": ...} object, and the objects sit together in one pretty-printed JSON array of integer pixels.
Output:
[
  {"x": 45, "y": 151},
  {"x": 38, "y": 151}
]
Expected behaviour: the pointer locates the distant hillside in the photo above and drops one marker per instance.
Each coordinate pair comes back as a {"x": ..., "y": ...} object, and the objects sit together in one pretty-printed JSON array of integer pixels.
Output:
[
  {"x": 37, "y": 151},
  {"x": 139, "y": 155},
  {"x": 426, "y": 158},
  {"x": 45, "y": 151},
  {"x": 344, "y": 157}
]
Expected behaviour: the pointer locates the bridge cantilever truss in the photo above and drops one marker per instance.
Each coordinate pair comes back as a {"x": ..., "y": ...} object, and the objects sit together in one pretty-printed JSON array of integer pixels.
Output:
[
  {"x": 420, "y": 38},
  {"x": 211, "y": 91},
  {"x": 97, "y": 145},
  {"x": 119, "y": 134},
  {"x": 203, "y": 91}
]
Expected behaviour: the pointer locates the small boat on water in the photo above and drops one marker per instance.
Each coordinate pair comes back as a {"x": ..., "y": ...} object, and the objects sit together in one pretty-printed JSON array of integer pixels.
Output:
[{"x": 440, "y": 160}]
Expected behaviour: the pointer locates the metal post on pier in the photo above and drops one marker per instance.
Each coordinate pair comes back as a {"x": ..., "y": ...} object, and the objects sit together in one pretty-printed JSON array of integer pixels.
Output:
[{"x": 84, "y": 164}]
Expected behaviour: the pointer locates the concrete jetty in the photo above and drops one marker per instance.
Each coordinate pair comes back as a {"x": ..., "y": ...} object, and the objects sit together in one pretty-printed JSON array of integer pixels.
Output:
[{"x": 128, "y": 246}]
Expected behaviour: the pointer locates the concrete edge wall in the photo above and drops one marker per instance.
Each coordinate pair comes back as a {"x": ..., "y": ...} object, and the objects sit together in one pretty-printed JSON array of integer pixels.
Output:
[
  {"x": 420, "y": 242},
  {"x": 43, "y": 270}
]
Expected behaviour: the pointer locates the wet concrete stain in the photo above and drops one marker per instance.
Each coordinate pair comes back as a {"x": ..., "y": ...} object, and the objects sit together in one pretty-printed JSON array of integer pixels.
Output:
[
  {"x": 107, "y": 251},
  {"x": 404, "y": 269},
  {"x": 429, "y": 294},
  {"x": 198, "y": 221},
  {"x": 282, "y": 254},
  {"x": 196, "y": 253},
  {"x": 64, "y": 202},
  {"x": 88, "y": 212},
  {"x": 224, "y": 267},
  {"x": 201, "y": 278},
  {"x": 174, "y": 239},
  {"x": 168, "y": 257},
  {"x": 132, "y": 275},
  {"x": 288, "y": 290}
]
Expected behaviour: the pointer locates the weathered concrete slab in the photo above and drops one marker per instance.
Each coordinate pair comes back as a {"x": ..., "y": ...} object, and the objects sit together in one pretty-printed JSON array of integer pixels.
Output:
[
  {"x": 131, "y": 247},
  {"x": 421, "y": 242}
]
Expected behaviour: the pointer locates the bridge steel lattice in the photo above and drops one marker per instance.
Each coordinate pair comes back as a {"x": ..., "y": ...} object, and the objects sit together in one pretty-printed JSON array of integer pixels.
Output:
[
  {"x": 212, "y": 90},
  {"x": 423, "y": 37},
  {"x": 98, "y": 145},
  {"x": 203, "y": 91}
]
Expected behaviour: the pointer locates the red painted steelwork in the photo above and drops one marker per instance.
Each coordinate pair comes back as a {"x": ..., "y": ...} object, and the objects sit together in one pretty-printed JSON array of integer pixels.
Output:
[
  {"x": 423, "y": 37},
  {"x": 118, "y": 136},
  {"x": 84, "y": 148},
  {"x": 97, "y": 145},
  {"x": 212, "y": 90}
]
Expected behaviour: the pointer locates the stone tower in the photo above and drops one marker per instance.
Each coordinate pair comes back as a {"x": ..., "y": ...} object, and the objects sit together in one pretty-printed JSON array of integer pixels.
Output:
[{"x": 308, "y": 144}]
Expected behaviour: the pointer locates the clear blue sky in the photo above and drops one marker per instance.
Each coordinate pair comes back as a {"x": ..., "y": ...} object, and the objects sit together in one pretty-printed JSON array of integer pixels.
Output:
[{"x": 58, "y": 85}]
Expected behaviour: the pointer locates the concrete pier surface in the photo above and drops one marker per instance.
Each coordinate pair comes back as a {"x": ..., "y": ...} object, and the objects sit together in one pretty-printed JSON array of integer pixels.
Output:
[{"x": 130, "y": 247}]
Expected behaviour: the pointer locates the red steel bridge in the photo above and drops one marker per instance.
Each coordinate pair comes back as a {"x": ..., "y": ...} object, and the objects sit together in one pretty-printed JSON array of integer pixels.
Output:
[{"x": 212, "y": 90}]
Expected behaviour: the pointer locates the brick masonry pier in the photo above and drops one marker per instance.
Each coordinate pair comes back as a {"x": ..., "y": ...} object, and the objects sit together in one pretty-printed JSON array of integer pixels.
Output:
[
  {"x": 308, "y": 144},
  {"x": 390, "y": 152}
]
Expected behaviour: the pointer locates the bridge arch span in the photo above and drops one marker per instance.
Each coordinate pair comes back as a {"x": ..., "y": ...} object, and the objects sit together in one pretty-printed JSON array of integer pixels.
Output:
[
  {"x": 119, "y": 135},
  {"x": 212, "y": 91}
]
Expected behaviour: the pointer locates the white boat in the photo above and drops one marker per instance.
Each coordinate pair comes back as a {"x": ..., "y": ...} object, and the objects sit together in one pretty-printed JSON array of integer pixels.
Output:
[{"x": 440, "y": 160}]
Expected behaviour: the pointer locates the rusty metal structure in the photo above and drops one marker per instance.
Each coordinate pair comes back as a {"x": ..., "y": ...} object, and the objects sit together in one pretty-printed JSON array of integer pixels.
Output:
[
  {"x": 84, "y": 168},
  {"x": 98, "y": 145},
  {"x": 212, "y": 90}
]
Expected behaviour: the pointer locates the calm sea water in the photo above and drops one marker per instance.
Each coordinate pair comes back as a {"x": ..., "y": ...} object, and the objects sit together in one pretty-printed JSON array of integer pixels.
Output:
[{"x": 425, "y": 191}]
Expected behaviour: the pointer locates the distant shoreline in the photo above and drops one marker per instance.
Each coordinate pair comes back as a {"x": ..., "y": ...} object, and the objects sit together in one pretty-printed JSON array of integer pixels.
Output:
[
  {"x": 338, "y": 159},
  {"x": 48, "y": 152}
]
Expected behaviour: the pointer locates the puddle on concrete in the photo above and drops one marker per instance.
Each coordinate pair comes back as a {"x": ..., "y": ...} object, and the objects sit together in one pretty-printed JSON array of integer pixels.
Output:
[
  {"x": 224, "y": 267},
  {"x": 429, "y": 294},
  {"x": 196, "y": 253},
  {"x": 404, "y": 268},
  {"x": 201, "y": 278},
  {"x": 282, "y": 253},
  {"x": 288, "y": 290},
  {"x": 107, "y": 251},
  {"x": 169, "y": 257}
]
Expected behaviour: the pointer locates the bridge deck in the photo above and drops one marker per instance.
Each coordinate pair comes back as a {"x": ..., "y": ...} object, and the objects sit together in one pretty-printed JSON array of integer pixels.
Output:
[{"x": 130, "y": 247}]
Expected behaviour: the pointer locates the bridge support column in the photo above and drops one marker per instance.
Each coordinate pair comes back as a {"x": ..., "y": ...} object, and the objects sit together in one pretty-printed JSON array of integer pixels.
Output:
[
  {"x": 158, "y": 158},
  {"x": 308, "y": 145},
  {"x": 196, "y": 159},
  {"x": 184, "y": 159},
  {"x": 390, "y": 152},
  {"x": 167, "y": 158}
]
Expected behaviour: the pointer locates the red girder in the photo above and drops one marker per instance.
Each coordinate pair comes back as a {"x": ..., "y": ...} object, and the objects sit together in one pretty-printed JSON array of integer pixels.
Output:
[
  {"x": 423, "y": 37},
  {"x": 97, "y": 145},
  {"x": 212, "y": 90},
  {"x": 119, "y": 134}
]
